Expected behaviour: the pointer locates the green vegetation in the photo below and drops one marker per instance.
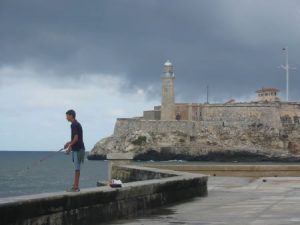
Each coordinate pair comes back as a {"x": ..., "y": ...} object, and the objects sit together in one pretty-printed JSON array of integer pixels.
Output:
[{"x": 140, "y": 140}]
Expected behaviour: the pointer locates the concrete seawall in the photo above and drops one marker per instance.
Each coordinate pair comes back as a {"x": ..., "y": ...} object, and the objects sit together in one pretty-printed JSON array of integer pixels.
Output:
[
  {"x": 150, "y": 188},
  {"x": 237, "y": 170}
]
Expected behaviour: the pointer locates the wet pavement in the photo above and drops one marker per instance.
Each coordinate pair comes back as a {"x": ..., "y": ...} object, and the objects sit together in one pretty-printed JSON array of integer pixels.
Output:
[{"x": 234, "y": 201}]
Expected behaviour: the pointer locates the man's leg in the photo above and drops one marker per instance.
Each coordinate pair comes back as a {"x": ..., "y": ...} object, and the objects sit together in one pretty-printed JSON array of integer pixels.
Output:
[
  {"x": 77, "y": 171},
  {"x": 76, "y": 179}
]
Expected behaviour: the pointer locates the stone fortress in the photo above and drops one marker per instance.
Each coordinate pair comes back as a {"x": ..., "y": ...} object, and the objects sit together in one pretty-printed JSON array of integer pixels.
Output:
[
  {"x": 264, "y": 129},
  {"x": 265, "y": 108}
]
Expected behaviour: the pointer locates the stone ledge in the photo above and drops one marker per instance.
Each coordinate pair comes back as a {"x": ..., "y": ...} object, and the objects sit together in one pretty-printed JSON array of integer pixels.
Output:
[{"x": 97, "y": 205}]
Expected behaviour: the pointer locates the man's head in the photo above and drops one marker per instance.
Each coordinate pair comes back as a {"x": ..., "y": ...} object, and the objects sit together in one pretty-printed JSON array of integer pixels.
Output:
[{"x": 71, "y": 115}]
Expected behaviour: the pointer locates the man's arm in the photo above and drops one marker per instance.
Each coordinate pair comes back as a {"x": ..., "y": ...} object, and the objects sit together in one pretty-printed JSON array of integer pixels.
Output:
[{"x": 72, "y": 142}]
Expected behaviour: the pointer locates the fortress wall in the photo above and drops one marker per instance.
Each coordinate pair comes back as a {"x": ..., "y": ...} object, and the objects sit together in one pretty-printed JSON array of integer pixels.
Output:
[
  {"x": 268, "y": 114},
  {"x": 289, "y": 109},
  {"x": 182, "y": 110},
  {"x": 213, "y": 115},
  {"x": 125, "y": 126},
  {"x": 243, "y": 112}
]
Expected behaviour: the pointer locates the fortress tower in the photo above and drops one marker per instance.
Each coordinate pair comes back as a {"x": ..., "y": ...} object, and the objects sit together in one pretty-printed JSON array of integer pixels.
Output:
[{"x": 168, "y": 99}]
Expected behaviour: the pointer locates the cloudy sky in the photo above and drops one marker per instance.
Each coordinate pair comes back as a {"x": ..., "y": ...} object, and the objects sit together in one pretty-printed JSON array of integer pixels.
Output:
[{"x": 104, "y": 59}]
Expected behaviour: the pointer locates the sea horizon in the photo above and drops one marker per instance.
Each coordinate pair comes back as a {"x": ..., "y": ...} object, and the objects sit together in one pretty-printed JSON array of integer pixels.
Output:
[{"x": 34, "y": 172}]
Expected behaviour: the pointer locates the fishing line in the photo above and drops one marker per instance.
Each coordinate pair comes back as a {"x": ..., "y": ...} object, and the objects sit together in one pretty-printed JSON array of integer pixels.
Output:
[{"x": 38, "y": 162}]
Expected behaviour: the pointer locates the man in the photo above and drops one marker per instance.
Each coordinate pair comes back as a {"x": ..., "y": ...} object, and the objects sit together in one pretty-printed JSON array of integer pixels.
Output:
[{"x": 76, "y": 146}]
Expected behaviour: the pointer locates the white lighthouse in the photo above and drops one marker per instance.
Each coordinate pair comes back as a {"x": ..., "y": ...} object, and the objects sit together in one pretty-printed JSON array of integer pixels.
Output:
[{"x": 168, "y": 98}]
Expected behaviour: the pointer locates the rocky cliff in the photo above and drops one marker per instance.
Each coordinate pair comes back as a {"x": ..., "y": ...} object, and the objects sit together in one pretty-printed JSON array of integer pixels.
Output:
[{"x": 195, "y": 140}]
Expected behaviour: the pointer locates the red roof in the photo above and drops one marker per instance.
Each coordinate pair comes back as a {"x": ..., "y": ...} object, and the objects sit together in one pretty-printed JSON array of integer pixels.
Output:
[
  {"x": 230, "y": 101},
  {"x": 267, "y": 90}
]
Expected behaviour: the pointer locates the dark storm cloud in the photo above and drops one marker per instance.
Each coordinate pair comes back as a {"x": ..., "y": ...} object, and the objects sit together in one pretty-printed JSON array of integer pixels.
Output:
[{"x": 232, "y": 46}]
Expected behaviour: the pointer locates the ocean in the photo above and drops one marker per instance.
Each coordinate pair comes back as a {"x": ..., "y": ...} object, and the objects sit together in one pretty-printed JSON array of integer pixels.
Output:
[{"x": 33, "y": 172}]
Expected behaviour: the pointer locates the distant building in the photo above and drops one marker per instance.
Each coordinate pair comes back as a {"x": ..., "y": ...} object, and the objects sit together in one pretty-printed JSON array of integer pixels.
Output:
[
  {"x": 267, "y": 95},
  {"x": 267, "y": 107}
]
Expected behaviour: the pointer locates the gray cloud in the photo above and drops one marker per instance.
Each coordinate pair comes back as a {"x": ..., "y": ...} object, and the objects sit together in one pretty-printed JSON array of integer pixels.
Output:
[{"x": 233, "y": 46}]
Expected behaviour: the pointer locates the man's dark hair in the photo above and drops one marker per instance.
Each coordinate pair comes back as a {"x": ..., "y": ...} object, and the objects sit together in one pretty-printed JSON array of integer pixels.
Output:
[{"x": 71, "y": 112}]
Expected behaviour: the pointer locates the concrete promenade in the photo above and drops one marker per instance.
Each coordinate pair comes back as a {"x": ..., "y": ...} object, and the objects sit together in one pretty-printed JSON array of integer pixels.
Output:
[
  {"x": 260, "y": 169},
  {"x": 235, "y": 201}
]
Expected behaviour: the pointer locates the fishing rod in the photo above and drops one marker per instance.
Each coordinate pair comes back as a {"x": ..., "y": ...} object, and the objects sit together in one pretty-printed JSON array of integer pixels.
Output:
[
  {"x": 37, "y": 162},
  {"x": 50, "y": 155}
]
